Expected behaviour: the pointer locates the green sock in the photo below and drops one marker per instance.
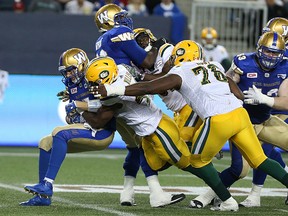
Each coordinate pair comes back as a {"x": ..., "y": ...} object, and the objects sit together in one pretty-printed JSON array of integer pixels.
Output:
[
  {"x": 209, "y": 174},
  {"x": 275, "y": 170}
]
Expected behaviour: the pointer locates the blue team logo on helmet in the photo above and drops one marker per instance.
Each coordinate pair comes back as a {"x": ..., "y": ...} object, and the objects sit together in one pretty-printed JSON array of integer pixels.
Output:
[{"x": 122, "y": 18}]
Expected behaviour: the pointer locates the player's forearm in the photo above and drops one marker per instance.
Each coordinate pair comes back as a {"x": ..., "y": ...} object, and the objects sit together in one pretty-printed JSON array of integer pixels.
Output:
[
  {"x": 132, "y": 90},
  {"x": 82, "y": 105},
  {"x": 280, "y": 103},
  {"x": 91, "y": 105}
]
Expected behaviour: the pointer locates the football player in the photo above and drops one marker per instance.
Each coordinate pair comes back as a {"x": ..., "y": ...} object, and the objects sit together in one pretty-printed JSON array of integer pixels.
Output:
[
  {"x": 212, "y": 50},
  {"x": 118, "y": 42},
  {"x": 187, "y": 120},
  {"x": 77, "y": 136},
  {"x": 279, "y": 25},
  {"x": 264, "y": 69},
  {"x": 206, "y": 88}
]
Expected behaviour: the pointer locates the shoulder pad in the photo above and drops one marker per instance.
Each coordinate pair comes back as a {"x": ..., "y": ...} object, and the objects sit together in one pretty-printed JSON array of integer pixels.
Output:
[
  {"x": 163, "y": 48},
  {"x": 236, "y": 69}
]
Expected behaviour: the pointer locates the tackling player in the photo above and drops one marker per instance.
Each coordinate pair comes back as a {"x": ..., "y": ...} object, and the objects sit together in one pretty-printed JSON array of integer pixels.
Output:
[
  {"x": 257, "y": 72},
  {"x": 206, "y": 88},
  {"x": 187, "y": 120},
  {"x": 118, "y": 42}
]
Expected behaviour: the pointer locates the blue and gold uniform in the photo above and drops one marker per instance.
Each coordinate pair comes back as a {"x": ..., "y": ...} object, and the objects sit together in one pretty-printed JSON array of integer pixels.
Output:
[{"x": 77, "y": 136}]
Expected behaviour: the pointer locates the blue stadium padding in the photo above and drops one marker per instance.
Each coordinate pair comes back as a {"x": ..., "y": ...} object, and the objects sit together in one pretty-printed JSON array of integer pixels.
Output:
[{"x": 31, "y": 110}]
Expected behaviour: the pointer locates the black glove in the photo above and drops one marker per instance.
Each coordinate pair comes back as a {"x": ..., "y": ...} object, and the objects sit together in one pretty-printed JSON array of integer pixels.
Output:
[
  {"x": 63, "y": 95},
  {"x": 158, "y": 43}
]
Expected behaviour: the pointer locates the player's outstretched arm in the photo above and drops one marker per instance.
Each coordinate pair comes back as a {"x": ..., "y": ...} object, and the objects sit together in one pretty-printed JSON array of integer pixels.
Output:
[{"x": 157, "y": 86}]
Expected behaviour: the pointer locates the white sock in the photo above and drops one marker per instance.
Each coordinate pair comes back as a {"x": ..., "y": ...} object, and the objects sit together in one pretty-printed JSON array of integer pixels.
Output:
[
  {"x": 49, "y": 180},
  {"x": 154, "y": 185},
  {"x": 255, "y": 190},
  {"x": 129, "y": 182}
]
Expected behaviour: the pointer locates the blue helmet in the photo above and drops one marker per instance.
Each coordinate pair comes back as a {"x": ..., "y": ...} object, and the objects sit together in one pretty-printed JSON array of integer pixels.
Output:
[
  {"x": 122, "y": 18},
  {"x": 270, "y": 50}
]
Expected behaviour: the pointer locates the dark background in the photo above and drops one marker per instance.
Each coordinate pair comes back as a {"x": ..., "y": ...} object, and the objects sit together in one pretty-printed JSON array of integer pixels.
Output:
[{"x": 32, "y": 43}]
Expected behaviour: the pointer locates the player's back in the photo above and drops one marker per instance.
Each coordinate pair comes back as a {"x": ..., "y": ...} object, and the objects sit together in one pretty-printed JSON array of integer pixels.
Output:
[
  {"x": 205, "y": 88},
  {"x": 119, "y": 44}
]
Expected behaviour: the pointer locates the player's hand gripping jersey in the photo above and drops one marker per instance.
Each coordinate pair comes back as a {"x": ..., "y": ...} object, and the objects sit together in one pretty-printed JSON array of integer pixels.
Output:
[{"x": 251, "y": 74}]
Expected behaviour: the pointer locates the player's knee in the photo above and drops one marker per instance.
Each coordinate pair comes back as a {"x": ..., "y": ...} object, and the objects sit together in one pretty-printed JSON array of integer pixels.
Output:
[
  {"x": 183, "y": 162},
  {"x": 57, "y": 130},
  {"x": 244, "y": 172},
  {"x": 46, "y": 143}
]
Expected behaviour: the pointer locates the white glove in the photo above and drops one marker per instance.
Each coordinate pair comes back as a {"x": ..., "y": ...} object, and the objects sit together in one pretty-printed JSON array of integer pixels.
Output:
[{"x": 254, "y": 97}]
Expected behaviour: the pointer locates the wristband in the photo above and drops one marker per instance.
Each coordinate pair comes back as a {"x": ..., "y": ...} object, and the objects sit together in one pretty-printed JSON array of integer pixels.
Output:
[
  {"x": 269, "y": 101},
  {"x": 114, "y": 90}
]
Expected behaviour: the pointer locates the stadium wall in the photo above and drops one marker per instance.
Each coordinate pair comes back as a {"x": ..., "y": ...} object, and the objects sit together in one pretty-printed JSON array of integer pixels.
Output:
[{"x": 31, "y": 43}]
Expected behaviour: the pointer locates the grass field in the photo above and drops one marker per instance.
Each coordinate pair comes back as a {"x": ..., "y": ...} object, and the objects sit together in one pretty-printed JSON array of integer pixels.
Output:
[{"x": 89, "y": 184}]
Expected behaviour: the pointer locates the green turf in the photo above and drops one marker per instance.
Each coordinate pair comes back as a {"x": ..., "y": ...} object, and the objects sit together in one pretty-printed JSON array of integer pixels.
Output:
[{"x": 93, "y": 169}]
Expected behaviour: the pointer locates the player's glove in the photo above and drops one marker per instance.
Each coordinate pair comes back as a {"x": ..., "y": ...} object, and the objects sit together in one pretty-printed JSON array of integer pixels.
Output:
[
  {"x": 63, "y": 95},
  {"x": 158, "y": 43},
  {"x": 93, "y": 89},
  {"x": 254, "y": 97}
]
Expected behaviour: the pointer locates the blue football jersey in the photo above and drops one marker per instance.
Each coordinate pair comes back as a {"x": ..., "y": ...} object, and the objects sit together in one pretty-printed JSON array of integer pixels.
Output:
[
  {"x": 119, "y": 44},
  {"x": 80, "y": 91},
  {"x": 268, "y": 82}
]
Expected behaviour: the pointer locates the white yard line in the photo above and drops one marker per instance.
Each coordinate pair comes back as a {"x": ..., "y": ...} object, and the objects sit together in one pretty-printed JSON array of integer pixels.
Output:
[
  {"x": 140, "y": 189},
  {"x": 235, "y": 191}
]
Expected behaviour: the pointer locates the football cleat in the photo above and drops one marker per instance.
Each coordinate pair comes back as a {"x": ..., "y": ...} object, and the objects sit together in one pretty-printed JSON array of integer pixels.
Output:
[
  {"x": 44, "y": 189},
  {"x": 251, "y": 201},
  {"x": 166, "y": 199},
  {"x": 203, "y": 200},
  {"x": 228, "y": 205},
  {"x": 286, "y": 200},
  {"x": 37, "y": 201},
  {"x": 216, "y": 202},
  {"x": 127, "y": 197}
]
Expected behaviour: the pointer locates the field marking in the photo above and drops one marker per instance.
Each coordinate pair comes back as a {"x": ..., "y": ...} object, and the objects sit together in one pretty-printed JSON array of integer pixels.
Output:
[
  {"x": 71, "y": 155},
  {"x": 140, "y": 189},
  {"x": 235, "y": 191},
  {"x": 66, "y": 201}
]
